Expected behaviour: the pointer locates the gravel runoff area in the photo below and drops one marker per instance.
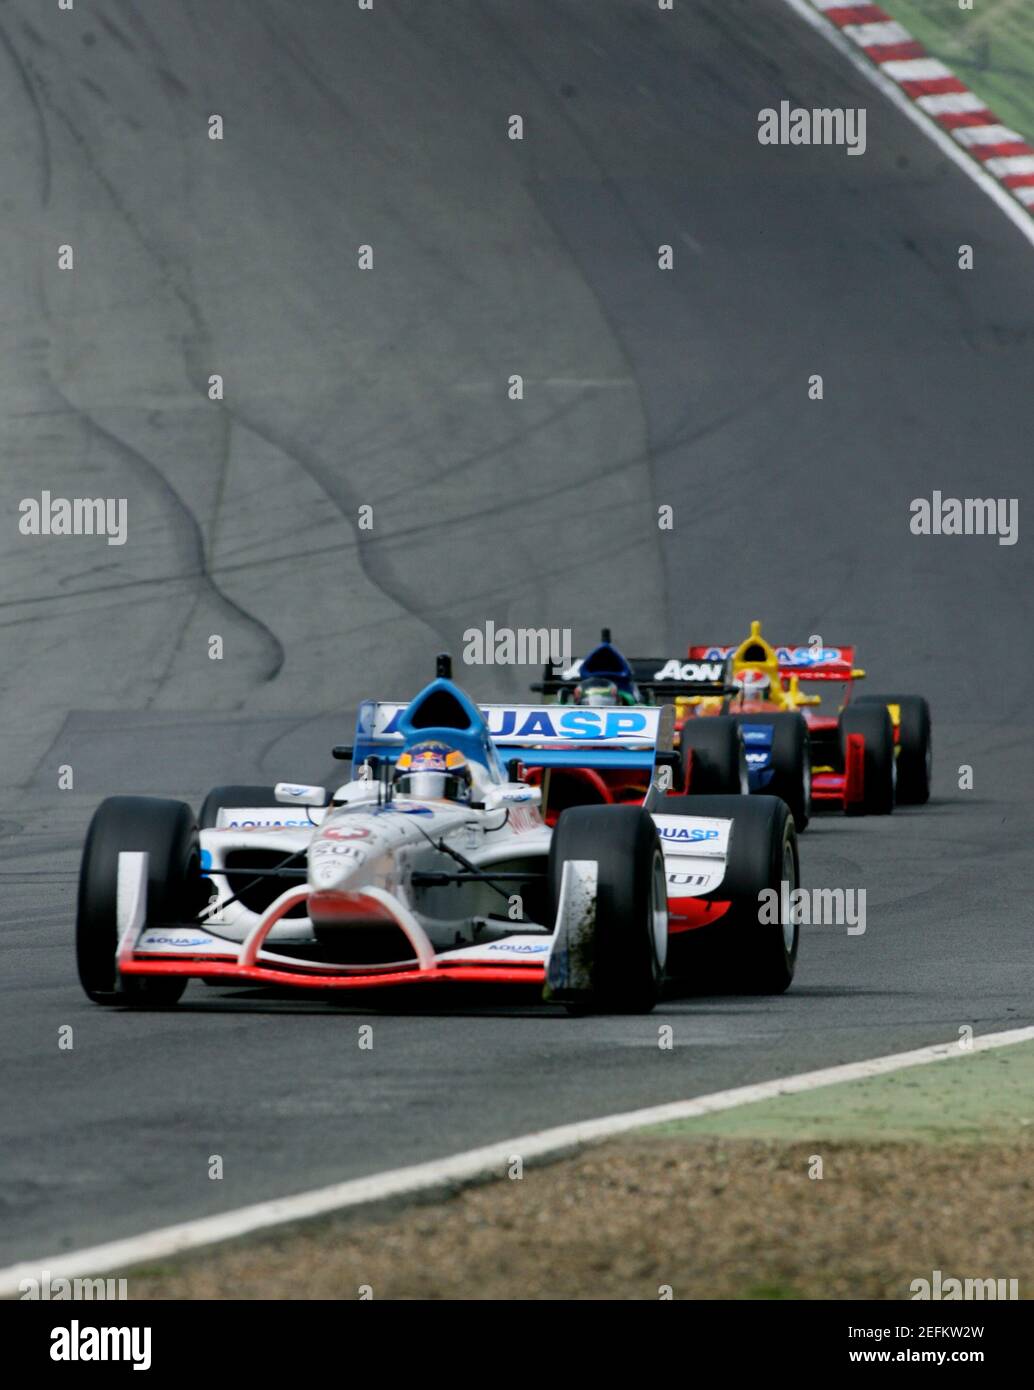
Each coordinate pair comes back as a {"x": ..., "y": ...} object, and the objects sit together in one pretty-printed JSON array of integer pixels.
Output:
[{"x": 923, "y": 1170}]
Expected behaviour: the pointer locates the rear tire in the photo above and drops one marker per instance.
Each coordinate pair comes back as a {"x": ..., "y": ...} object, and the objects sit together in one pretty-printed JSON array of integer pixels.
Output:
[
  {"x": 719, "y": 763},
  {"x": 874, "y": 724},
  {"x": 914, "y": 749},
  {"x": 629, "y": 944},
  {"x": 740, "y": 953},
  {"x": 166, "y": 831}
]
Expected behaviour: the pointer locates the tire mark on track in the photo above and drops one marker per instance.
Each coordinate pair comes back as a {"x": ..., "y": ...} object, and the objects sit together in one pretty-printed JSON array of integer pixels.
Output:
[
  {"x": 25, "y": 78},
  {"x": 193, "y": 536},
  {"x": 345, "y": 501},
  {"x": 564, "y": 115}
]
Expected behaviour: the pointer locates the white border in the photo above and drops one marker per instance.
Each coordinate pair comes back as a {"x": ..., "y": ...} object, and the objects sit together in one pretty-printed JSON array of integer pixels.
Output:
[{"x": 493, "y": 1160}]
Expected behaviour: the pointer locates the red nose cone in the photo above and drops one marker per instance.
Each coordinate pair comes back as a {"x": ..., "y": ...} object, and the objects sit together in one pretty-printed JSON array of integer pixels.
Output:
[{"x": 333, "y": 905}]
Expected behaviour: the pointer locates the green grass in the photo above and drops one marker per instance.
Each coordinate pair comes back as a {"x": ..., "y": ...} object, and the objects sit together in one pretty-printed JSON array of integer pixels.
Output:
[
  {"x": 991, "y": 48},
  {"x": 988, "y": 1096}
]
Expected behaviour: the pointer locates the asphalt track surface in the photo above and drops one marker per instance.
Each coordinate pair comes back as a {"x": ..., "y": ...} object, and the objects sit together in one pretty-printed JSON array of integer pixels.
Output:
[{"x": 388, "y": 388}]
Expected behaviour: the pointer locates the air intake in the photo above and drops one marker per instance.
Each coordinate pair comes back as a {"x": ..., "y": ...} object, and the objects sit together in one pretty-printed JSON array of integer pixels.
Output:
[{"x": 440, "y": 710}]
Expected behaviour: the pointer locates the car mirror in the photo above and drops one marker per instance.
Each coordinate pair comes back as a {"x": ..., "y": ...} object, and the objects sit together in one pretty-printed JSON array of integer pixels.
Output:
[
  {"x": 511, "y": 794},
  {"x": 299, "y": 794}
]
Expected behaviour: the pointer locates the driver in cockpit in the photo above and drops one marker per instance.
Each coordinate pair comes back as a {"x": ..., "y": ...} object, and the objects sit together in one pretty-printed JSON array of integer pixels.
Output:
[{"x": 432, "y": 771}]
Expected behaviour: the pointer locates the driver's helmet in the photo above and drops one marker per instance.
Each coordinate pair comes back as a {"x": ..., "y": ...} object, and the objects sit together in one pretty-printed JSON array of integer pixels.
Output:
[
  {"x": 754, "y": 684},
  {"x": 596, "y": 690},
  {"x": 433, "y": 771}
]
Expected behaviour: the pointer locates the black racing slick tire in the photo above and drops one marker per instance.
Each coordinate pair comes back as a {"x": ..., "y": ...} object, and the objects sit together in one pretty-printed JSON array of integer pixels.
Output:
[
  {"x": 629, "y": 943},
  {"x": 219, "y": 797},
  {"x": 914, "y": 746},
  {"x": 873, "y": 723},
  {"x": 791, "y": 761},
  {"x": 167, "y": 832},
  {"x": 752, "y": 948},
  {"x": 719, "y": 762}
]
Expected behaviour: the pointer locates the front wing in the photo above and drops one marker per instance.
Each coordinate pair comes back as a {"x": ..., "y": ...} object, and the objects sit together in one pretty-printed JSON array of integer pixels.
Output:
[{"x": 198, "y": 952}]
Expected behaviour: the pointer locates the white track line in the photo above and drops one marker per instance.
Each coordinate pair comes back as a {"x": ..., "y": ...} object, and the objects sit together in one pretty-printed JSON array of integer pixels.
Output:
[
  {"x": 489, "y": 1162},
  {"x": 1014, "y": 210}
]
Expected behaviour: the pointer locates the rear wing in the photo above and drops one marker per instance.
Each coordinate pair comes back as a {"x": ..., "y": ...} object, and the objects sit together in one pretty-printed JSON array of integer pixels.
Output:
[
  {"x": 808, "y": 663},
  {"x": 541, "y": 735},
  {"x": 673, "y": 677},
  {"x": 658, "y": 678},
  {"x": 623, "y": 736}
]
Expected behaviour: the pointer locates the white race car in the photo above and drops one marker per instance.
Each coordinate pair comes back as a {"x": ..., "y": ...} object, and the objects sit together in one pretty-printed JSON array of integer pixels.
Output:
[{"x": 442, "y": 861}]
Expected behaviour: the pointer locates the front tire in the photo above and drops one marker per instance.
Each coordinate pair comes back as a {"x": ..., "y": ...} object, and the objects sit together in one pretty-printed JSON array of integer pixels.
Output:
[
  {"x": 719, "y": 761},
  {"x": 914, "y": 748},
  {"x": 166, "y": 831},
  {"x": 790, "y": 761},
  {"x": 630, "y": 935},
  {"x": 877, "y": 731}
]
